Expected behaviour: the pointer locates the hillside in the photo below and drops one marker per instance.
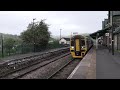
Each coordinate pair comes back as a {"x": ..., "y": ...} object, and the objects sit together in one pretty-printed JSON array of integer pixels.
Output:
[
  {"x": 6, "y": 36},
  {"x": 68, "y": 36},
  {"x": 9, "y": 36}
]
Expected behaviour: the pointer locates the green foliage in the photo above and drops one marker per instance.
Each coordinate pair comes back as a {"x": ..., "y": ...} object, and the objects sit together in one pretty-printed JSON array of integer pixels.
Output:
[
  {"x": 54, "y": 44},
  {"x": 37, "y": 33},
  {"x": 14, "y": 44},
  {"x": 9, "y": 44}
]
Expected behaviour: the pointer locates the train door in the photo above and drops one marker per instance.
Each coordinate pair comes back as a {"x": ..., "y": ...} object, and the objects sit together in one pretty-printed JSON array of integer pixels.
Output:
[{"x": 77, "y": 47}]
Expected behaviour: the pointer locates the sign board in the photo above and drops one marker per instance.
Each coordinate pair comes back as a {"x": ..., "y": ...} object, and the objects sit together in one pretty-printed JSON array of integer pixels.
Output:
[
  {"x": 75, "y": 33},
  {"x": 106, "y": 34}
]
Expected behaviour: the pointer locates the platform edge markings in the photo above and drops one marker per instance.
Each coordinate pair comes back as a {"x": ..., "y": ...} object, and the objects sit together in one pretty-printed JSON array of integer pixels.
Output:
[
  {"x": 74, "y": 71},
  {"x": 82, "y": 63}
]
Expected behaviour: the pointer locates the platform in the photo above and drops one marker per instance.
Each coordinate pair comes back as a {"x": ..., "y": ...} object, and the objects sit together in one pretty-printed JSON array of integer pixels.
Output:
[
  {"x": 108, "y": 65},
  {"x": 86, "y": 69}
]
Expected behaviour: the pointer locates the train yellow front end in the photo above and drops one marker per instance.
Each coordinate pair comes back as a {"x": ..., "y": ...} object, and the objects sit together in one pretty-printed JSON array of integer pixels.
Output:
[{"x": 77, "y": 46}]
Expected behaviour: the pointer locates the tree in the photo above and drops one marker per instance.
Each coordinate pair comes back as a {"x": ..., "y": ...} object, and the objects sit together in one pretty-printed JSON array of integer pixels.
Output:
[
  {"x": 38, "y": 34},
  {"x": 9, "y": 44},
  {"x": 17, "y": 45}
]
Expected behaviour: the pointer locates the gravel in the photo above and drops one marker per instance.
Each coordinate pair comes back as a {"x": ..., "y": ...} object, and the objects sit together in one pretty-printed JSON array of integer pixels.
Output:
[
  {"x": 15, "y": 66},
  {"x": 65, "y": 72},
  {"x": 32, "y": 68},
  {"x": 46, "y": 71}
]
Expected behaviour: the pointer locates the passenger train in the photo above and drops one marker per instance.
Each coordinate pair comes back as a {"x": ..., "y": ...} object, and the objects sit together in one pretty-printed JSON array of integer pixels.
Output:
[{"x": 79, "y": 45}]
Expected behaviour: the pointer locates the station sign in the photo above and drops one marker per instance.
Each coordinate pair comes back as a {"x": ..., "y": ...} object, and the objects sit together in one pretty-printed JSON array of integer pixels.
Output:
[
  {"x": 106, "y": 34},
  {"x": 75, "y": 33}
]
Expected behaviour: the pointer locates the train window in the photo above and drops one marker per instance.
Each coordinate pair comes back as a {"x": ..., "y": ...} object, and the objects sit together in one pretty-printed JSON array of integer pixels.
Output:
[
  {"x": 82, "y": 42},
  {"x": 72, "y": 43}
]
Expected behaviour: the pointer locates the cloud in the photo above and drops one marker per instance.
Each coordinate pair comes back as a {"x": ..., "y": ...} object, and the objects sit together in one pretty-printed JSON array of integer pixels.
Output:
[{"x": 14, "y": 22}]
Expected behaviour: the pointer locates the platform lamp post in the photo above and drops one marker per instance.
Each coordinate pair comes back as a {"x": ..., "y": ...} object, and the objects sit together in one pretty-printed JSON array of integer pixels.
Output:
[
  {"x": 97, "y": 40},
  {"x": 109, "y": 18},
  {"x": 112, "y": 33},
  {"x": 34, "y": 34}
]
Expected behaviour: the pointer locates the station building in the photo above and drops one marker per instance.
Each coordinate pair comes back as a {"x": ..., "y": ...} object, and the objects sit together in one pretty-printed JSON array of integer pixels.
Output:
[{"x": 106, "y": 33}]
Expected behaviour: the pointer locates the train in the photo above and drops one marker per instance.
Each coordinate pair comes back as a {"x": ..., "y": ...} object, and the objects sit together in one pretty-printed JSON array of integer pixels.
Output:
[{"x": 79, "y": 45}]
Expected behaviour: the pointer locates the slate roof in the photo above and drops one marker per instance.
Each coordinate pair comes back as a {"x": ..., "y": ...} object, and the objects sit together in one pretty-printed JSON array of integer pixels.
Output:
[{"x": 67, "y": 39}]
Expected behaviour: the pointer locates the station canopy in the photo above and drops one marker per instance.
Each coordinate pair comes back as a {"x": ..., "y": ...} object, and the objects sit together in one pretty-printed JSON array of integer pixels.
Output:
[{"x": 100, "y": 33}]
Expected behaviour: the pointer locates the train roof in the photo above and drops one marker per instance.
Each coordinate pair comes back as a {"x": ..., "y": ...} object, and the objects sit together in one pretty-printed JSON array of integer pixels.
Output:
[{"x": 78, "y": 36}]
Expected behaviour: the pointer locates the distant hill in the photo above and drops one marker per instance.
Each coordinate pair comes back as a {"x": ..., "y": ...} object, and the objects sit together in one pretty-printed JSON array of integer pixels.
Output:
[
  {"x": 5, "y": 36},
  {"x": 68, "y": 36},
  {"x": 9, "y": 36},
  {"x": 52, "y": 37}
]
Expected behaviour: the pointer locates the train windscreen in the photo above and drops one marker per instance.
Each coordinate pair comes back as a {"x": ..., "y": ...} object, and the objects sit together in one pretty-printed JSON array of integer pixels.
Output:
[
  {"x": 72, "y": 43},
  {"x": 82, "y": 42}
]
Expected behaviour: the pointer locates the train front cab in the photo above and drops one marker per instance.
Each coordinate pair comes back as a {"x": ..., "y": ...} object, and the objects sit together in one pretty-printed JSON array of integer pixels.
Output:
[{"x": 77, "y": 48}]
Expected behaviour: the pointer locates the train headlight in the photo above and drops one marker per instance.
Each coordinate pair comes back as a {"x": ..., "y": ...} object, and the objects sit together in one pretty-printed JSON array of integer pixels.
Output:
[
  {"x": 83, "y": 47},
  {"x": 72, "y": 47}
]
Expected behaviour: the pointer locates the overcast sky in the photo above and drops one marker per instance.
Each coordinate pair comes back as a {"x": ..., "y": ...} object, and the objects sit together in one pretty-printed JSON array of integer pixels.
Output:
[{"x": 14, "y": 22}]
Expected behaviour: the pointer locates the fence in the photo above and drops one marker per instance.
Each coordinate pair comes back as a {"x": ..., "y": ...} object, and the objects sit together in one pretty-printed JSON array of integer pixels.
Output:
[{"x": 28, "y": 48}]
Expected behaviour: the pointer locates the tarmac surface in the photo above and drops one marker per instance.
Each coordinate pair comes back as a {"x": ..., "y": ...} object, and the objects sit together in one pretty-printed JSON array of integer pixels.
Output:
[{"x": 107, "y": 65}]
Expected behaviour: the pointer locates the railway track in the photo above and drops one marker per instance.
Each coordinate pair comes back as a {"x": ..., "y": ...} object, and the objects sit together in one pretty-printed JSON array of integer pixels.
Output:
[
  {"x": 37, "y": 66},
  {"x": 55, "y": 75},
  {"x": 65, "y": 70},
  {"x": 48, "y": 70},
  {"x": 13, "y": 74},
  {"x": 59, "y": 69}
]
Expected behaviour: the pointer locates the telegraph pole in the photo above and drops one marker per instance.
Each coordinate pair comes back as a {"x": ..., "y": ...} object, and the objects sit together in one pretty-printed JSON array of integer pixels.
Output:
[
  {"x": 60, "y": 33},
  {"x": 34, "y": 35},
  {"x": 109, "y": 18},
  {"x": 112, "y": 33},
  {"x": 2, "y": 46}
]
